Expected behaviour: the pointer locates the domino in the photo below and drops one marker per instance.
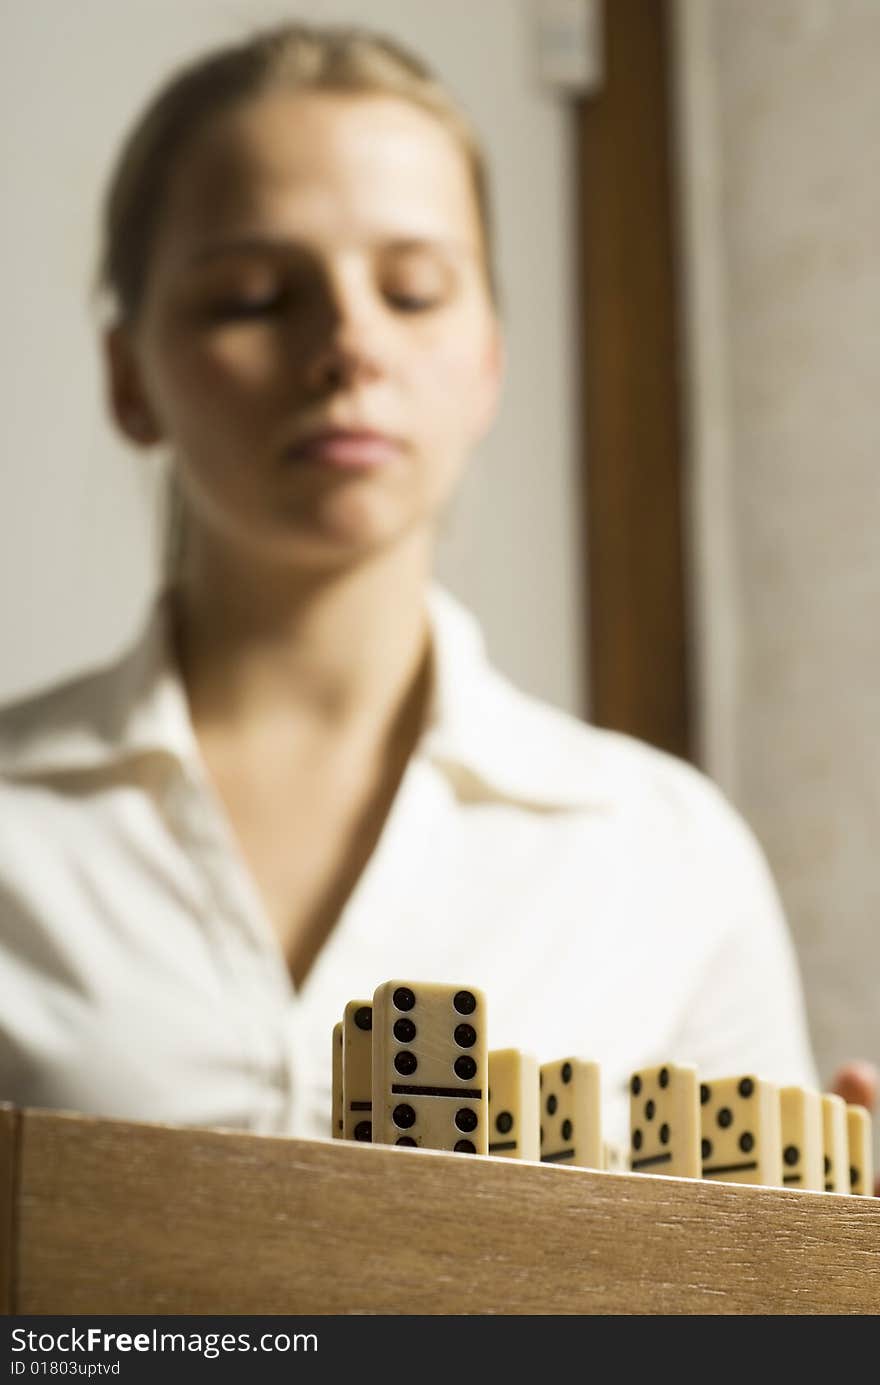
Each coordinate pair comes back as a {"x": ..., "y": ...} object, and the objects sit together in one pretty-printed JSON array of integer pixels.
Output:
[
  {"x": 834, "y": 1143},
  {"x": 513, "y": 1104},
  {"x": 740, "y": 1128},
  {"x": 614, "y": 1157},
  {"x": 861, "y": 1154},
  {"x": 800, "y": 1111},
  {"x": 338, "y": 1108},
  {"x": 571, "y": 1119},
  {"x": 430, "y": 1066},
  {"x": 357, "y": 1069},
  {"x": 664, "y": 1107}
]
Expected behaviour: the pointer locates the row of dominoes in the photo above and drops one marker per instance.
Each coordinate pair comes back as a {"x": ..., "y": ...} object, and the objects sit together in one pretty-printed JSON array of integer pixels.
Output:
[
  {"x": 412, "y": 1067},
  {"x": 744, "y": 1129}
]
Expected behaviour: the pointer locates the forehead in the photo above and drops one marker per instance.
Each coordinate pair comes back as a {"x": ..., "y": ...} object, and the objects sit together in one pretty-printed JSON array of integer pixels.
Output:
[{"x": 325, "y": 166}]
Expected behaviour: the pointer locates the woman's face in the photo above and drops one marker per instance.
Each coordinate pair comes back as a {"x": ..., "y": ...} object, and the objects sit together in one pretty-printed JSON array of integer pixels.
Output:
[{"x": 316, "y": 341}]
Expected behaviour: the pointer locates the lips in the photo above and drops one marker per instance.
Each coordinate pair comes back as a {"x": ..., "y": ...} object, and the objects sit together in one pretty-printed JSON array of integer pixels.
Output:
[{"x": 345, "y": 448}]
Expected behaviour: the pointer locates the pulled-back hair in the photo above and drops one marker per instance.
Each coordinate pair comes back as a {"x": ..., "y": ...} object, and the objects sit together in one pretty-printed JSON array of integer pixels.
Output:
[{"x": 291, "y": 57}]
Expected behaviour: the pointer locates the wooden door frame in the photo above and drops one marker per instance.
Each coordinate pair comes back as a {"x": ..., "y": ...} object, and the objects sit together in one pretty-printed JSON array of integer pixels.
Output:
[{"x": 639, "y": 644}]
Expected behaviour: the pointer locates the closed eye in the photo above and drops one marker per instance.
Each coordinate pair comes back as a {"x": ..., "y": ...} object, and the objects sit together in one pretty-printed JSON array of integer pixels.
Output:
[
  {"x": 234, "y": 309},
  {"x": 410, "y": 303}
]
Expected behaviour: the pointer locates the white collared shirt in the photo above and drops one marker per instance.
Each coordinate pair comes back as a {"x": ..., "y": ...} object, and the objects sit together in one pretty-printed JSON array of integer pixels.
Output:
[{"x": 603, "y": 895}]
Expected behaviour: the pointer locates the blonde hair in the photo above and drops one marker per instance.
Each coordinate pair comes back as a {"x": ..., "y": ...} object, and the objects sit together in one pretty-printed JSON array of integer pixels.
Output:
[{"x": 288, "y": 57}]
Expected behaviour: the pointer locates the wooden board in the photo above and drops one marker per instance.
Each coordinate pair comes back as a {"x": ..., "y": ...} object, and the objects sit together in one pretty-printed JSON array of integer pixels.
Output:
[
  {"x": 9, "y": 1129},
  {"x": 118, "y": 1218}
]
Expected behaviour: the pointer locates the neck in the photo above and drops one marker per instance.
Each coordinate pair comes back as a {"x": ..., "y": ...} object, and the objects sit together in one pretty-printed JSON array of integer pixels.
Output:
[{"x": 338, "y": 651}]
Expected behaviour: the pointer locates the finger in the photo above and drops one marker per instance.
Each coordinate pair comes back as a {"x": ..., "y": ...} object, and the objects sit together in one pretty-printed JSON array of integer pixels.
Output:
[{"x": 857, "y": 1082}]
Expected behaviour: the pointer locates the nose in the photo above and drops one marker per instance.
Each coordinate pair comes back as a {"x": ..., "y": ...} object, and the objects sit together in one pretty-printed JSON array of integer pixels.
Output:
[
  {"x": 345, "y": 346},
  {"x": 338, "y": 366}
]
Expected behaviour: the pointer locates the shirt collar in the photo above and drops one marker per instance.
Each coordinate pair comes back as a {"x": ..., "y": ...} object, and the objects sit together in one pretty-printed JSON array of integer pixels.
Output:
[
  {"x": 497, "y": 741},
  {"x": 491, "y": 740},
  {"x": 136, "y": 706}
]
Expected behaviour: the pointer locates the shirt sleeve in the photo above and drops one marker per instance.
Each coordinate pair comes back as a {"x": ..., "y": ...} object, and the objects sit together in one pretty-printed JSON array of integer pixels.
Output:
[{"x": 747, "y": 1012}]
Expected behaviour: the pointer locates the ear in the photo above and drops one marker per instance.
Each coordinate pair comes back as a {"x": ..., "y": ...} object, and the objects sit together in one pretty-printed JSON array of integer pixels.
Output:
[{"x": 125, "y": 392}]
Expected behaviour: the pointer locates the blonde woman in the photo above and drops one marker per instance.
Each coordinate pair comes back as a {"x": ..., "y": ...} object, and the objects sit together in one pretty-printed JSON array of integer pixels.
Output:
[{"x": 305, "y": 777}]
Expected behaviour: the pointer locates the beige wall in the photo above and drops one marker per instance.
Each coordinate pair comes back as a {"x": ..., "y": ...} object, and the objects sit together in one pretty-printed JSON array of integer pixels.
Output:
[
  {"x": 780, "y": 110},
  {"x": 77, "y": 527}
]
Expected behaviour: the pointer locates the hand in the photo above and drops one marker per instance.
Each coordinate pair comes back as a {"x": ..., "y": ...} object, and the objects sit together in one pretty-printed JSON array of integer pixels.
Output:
[{"x": 858, "y": 1082}]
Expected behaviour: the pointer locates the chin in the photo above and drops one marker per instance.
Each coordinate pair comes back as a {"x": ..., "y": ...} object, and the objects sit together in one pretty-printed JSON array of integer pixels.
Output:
[{"x": 332, "y": 547}]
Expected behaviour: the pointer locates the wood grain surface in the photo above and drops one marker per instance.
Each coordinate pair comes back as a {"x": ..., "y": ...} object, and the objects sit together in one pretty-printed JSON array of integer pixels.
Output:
[
  {"x": 114, "y": 1217},
  {"x": 9, "y": 1127}
]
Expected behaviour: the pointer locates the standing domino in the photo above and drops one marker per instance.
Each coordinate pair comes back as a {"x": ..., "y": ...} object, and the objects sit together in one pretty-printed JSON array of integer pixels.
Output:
[
  {"x": 430, "y": 1068},
  {"x": 835, "y": 1143},
  {"x": 614, "y": 1157},
  {"x": 513, "y": 1104},
  {"x": 800, "y": 1111},
  {"x": 571, "y": 1113},
  {"x": 861, "y": 1155},
  {"x": 337, "y": 1119},
  {"x": 664, "y": 1107},
  {"x": 357, "y": 1070},
  {"x": 741, "y": 1132}
]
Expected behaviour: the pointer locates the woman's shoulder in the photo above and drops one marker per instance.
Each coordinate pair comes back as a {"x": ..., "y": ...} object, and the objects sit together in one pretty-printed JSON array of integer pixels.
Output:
[
  {"x": 47, "y": 723},
  {"x": 44, "y": 736},
  {"x": 541, "y": 753},
  {"x": 626, "y": 771},
  {"x": 656, "y": 806},
  {"x": 81, "y": 721}
]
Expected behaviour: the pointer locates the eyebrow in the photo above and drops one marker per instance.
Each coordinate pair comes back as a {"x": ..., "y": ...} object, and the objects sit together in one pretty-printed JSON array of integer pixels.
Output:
[{"x": 262, "y": 244}]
